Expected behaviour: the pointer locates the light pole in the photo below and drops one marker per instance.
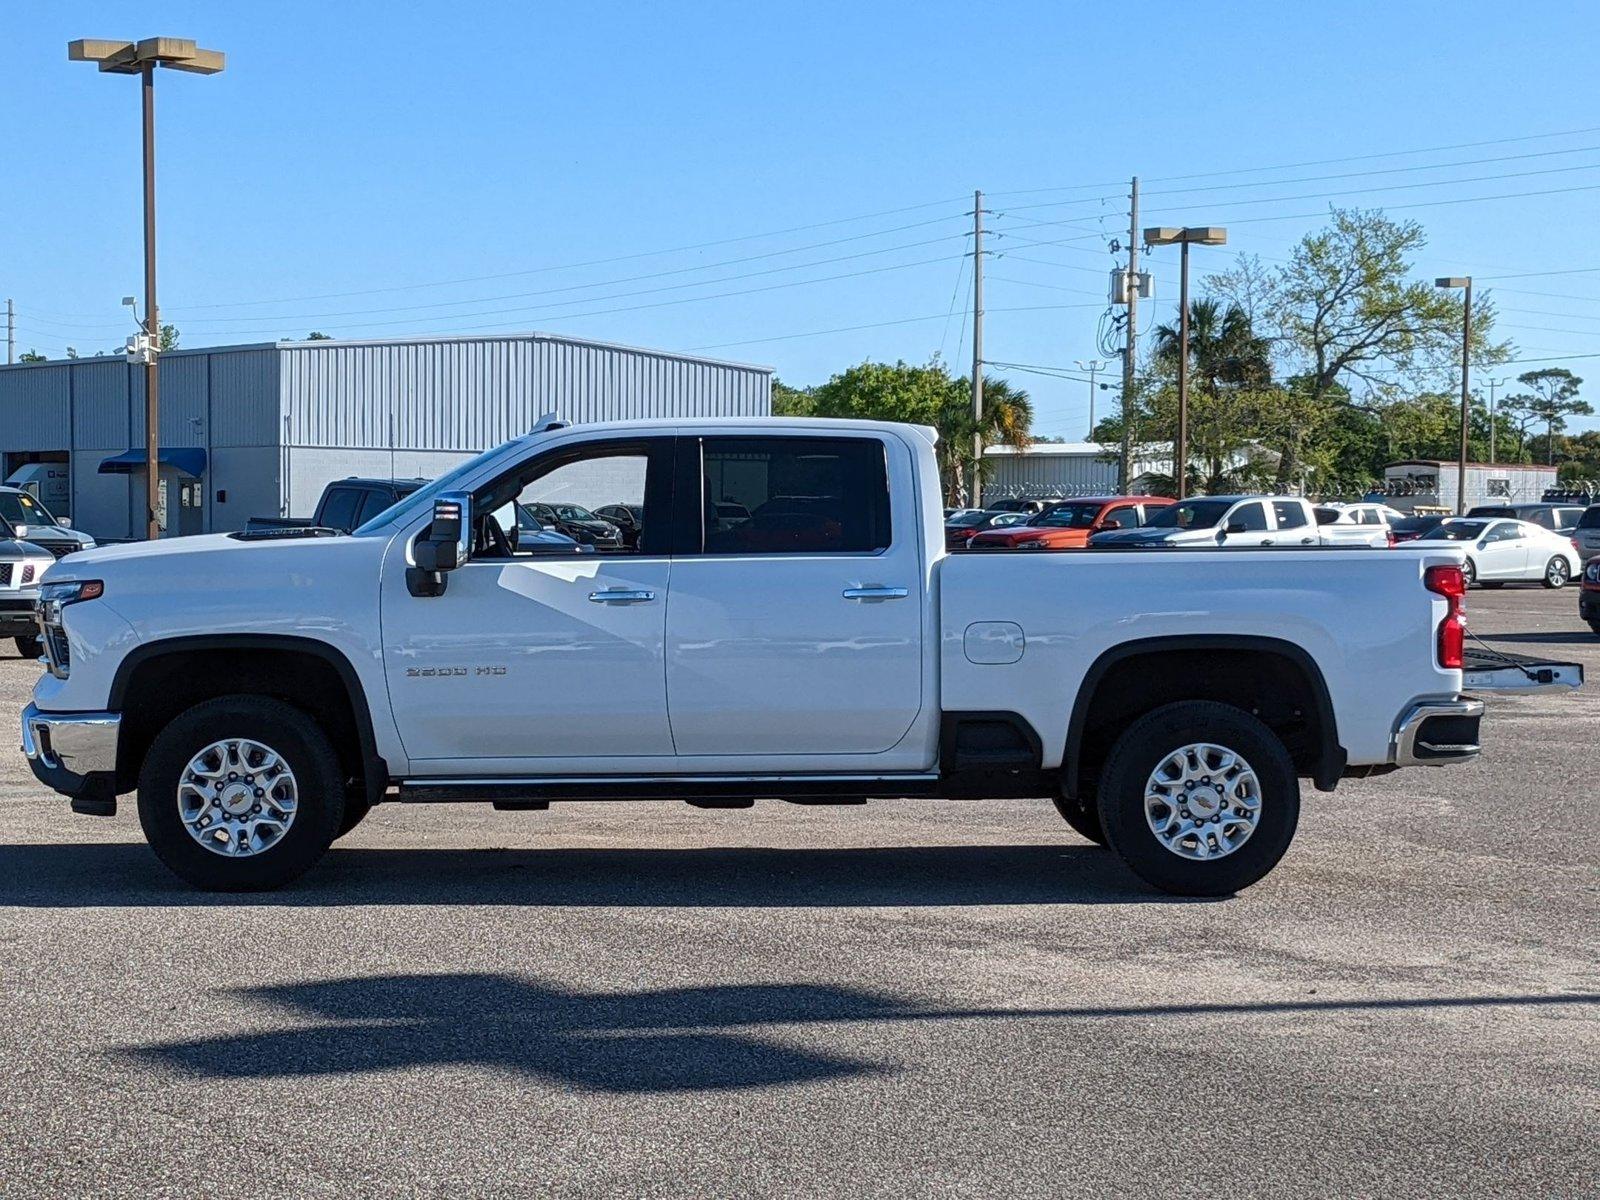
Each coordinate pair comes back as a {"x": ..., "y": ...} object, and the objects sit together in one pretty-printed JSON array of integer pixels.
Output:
[
  {"x": 141, "y": 58},
  {"x": 1464, "y": 282},
  {"x": 1205, "y": 235},
  {"x": 1094, "y": 366}
]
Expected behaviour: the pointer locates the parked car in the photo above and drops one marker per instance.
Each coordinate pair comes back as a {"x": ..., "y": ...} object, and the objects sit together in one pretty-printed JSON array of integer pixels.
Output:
[
  {"x": 960, "y": 529},
  {"x": 1586, "y": 533},
  {"x": 628, "y": 518},
  {"x": 1365, "y": 523},
  {"x": 22, "y": 564},
  {"x": 1031, "y": 506},
  {"x": 1228, "y": 522},
  {"x": 1408, "y": 529},
  {"x": 577, "y": 523},
  {"x": 1170, "y": 704},
  {"x": 344, "y": 505},
  {"x": 1559, "y": 518},
  {"x": 1504, "y": 551},
  {"x": 29, "y": 519},
  {"x": 1069, "y": 524},
  {"x": 1589, "y": 595}
]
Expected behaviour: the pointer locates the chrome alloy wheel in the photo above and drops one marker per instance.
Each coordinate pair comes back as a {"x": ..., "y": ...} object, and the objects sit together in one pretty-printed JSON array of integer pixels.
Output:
[
  {"x": 237, "y": 797},
  {"x": 1202, "y": 801}
]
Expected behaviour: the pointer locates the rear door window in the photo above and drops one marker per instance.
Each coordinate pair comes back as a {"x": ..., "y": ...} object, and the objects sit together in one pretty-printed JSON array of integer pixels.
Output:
[
  {"x": 794, "y": 496},
  {"x": 1290, "y": 515}
]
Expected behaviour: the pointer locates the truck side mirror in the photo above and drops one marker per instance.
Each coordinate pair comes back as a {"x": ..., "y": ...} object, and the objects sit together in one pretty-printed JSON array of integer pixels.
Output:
[
  {"x": 1111, "y": 523},
  {"x": 64, "y": 522},
  {"x": 1236, "y": 527},
  {"x": 447, "y": 545}
]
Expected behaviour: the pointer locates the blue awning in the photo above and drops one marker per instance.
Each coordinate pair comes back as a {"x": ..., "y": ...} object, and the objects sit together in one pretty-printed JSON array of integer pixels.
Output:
[{"x": 191, "y": 460}]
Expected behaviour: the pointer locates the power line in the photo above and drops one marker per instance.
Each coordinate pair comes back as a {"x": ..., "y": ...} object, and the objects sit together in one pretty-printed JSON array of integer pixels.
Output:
[
  {"x": 593, "y": 262},
  {"x": 784, "y": 337},
  {"x": 1423, "y": 204}
]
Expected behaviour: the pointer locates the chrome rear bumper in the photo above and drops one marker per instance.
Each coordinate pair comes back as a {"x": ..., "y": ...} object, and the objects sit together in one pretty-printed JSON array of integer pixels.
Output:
[
  {"x": 1437, "y": 733},
  {"x": 82, "y": 743}
]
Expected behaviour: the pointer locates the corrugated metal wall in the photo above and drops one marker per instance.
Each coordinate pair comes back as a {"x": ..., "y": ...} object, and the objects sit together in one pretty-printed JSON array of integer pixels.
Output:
[
  {"x": 281, "y": 421},
  {"x": 466, "y": 394},
  {"x": 1047, "y": 475}
]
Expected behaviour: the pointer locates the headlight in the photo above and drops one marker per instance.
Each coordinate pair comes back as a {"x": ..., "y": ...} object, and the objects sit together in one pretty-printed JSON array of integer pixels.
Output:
[
  {"x": 1591, "y": 573},
  {"x": 70, "y": 592}
]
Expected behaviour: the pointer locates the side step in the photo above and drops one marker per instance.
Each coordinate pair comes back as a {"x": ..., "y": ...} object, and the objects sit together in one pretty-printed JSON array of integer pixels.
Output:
[{"x": 715, "y": 791}]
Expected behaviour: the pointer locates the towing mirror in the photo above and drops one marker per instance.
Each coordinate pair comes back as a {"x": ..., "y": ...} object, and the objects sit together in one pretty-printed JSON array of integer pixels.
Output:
[
  {"x": 1236, "y": 527},
  {"x": 446, "y": 546}
]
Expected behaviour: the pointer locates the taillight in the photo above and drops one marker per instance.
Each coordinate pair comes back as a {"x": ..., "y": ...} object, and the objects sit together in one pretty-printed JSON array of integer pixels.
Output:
[
  {"x": 1388, "y": 535},
  {"x": 1450, "y": 583}
]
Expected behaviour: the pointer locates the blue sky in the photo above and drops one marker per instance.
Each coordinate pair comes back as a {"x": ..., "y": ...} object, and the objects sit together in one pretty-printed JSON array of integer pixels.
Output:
[{"x": 370, "y": 169}]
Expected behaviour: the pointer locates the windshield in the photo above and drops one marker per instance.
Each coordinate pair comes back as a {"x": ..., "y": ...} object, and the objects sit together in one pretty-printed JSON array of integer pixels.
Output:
[
  {"x": 1068, "y": 516},
  {"x": 573, "y": 512},
  {"x": 1415, "y": 524},
  {"x": 19, "y": 508},
  {"x": 966, "y": 520},
  {"x": 423, "y": 496},
  {"x": 1191, "y": 514},
  {"x": 1455, "y": 531}
]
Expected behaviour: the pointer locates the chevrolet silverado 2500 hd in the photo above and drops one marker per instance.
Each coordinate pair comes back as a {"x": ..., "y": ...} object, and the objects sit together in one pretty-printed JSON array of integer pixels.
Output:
[{"x": 787, "y": 625}]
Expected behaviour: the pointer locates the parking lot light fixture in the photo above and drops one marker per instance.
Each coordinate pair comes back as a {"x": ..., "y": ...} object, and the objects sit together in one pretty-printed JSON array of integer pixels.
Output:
[
  {"x": 1463, "y": 282},
  {"x": 142, "y": 58},
  {"x": 1198, "y": 235}
]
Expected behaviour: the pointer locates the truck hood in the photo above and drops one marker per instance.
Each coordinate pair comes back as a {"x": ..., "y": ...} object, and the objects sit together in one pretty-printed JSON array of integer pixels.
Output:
[
  {"x": 185, "y": 553},
  {"x": 1154, "y": 537}
]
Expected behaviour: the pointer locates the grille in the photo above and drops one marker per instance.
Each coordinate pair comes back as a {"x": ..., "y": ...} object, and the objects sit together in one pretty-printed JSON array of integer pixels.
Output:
[
  {"x": 59, "y": 549},
  {"x": 5, "y": 574}
]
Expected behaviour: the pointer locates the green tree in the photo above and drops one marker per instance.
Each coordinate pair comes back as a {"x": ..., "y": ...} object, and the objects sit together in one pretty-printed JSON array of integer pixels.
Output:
[
  {"x": 318, "y": 336},
  {"x": 790, "y": 401},
  {"x": 1551, "y": 398},
  {"x": 31, "y": 356},
  {"x": 1345, "y": 310},
  {"x": 1007, "y": 421},
  {"x": 169, "y": 337}
]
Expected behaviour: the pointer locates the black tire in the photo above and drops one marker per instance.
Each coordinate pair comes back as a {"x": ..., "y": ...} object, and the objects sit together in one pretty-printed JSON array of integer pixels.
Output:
[
  {"x": 355, "y": 811},
  {"x": 1469, "y": 572},
  {"x": 301, "y": 744},
  {"x": 1594, "y": 627},
  {"x": 1141, "y": 749},
  {"x": 1492, "y": 584},
  {"x": 29, "y": 646},
  {"x": 1084, "y": 817},
  {"x": 1556, "y": 573}
]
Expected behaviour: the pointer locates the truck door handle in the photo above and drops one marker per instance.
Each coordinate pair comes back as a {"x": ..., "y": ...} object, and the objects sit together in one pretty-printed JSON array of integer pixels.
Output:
[
  {"x": 1266, "y": 541},
  {"x": 875, "y": 593},
  {"x": 621, "y": 596},
  {"x": 1308, "y": 541}
]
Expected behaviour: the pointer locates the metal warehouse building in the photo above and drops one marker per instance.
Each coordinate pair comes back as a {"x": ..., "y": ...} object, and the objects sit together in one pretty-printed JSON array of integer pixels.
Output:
[{"x": 258, "y": 430}]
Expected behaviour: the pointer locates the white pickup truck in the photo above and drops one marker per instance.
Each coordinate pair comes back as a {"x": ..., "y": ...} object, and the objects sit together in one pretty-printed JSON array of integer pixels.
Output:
[{"x": 787, "y": 625}]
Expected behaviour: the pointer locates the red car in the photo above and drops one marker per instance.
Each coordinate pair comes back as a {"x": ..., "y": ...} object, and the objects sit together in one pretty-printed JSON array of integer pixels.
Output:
[{"x": 1067, "y": 525}]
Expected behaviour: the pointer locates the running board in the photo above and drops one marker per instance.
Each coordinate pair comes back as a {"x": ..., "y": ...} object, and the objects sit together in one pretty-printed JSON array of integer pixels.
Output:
[{"x": 801, "y": 789}]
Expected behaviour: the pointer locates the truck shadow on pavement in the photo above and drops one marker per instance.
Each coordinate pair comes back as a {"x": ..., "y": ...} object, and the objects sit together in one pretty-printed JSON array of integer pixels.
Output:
[
  {"x": 127, "y": 875},
  {"x": 667, "y": 1040}
]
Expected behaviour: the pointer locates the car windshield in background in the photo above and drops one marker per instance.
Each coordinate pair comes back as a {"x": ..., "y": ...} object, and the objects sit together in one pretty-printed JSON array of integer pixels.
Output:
[
  {"x": 1191, "y": 514},
  {"x": 1005, "y": 518},
  {"x": 19, "y": 508},
  {"x": 1590, "y": 518},
  {"x": 1068, "y": 516},
  {"x": 1417, "y": 525},
  {"x": 1455, "y": 531},
  {"x": 966, "y": 520},
  {"x": 573, "y": 512}
]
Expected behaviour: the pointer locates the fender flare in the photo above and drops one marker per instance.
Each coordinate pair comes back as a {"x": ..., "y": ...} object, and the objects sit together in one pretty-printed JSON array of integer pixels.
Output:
[{"x": 1331, "y": 757}]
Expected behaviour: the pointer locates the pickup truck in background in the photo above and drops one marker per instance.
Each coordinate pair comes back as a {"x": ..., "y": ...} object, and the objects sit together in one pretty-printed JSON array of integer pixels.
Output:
[
  {"x": 826, "y": 649},
  {"x": 345, "y": 504},
  {"x": 1239, "y": 523}
]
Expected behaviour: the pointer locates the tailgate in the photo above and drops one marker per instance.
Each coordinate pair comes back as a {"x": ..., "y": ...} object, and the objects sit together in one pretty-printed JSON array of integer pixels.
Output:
[{"x": 1487, "y": 670}]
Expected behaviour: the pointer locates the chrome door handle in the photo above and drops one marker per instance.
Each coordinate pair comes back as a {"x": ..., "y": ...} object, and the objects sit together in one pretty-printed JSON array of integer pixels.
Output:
[
  {"x": 876, "y": 593},
  {"x": 621, "y": 596}
]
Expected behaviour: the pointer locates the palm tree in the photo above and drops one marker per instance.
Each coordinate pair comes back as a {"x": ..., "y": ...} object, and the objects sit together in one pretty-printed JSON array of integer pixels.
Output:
[
  {"x": 1007, "y": 421},
  {"x": 1227, "y": 361}
]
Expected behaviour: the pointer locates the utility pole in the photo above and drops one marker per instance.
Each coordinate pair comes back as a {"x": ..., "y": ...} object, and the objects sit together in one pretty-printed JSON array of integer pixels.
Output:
[
  {"x": 11, "y": 333},
  {"x": 1494, "y": 385},
  {"x": 975, "y": 497},
  {"x": 1130, "y": 350},
  {"x": 1094, "y": 366}
]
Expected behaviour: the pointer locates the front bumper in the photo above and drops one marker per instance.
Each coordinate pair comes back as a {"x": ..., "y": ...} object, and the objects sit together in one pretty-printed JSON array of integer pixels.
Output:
[
  {"x": 17, "y": 614},
  {"x": 1589, "y": 603},
  {"x": 1438, "y": 733},
  {"x": 76, "y": 755}
]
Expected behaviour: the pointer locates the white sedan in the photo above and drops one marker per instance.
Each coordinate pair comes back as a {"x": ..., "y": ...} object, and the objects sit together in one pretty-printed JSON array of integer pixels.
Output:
[{"x": 1503, "y": 551}]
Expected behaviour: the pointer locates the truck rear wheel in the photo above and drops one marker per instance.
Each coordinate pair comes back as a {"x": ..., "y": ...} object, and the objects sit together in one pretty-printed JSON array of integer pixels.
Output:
[
  {"x": 240, "y": 793},
  {"x": 29, "y": 646},
  {"x": 1199, "y": 798},
  {"x": 1084, "y": 817}
]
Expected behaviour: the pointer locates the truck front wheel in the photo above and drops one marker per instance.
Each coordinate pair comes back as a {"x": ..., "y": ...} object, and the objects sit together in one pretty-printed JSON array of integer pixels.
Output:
[
  {"x": 240, "y": 793},
  {"x": 1199, "y": 798}
]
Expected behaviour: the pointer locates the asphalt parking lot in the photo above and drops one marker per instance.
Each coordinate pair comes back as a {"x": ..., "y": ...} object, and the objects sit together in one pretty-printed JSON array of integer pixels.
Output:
[{"x": 906, "y": 999}]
